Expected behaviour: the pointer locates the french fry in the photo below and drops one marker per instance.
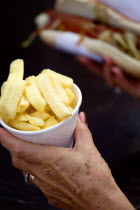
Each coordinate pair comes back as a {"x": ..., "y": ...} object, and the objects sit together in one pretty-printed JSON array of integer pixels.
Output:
[
  {"x": 70, "y": 108},
  {"x": 61, "y": 91},
  {"x": 30, "y": 110},
  {"x": 50, "y": 122},
  {"x": 37, "y": 102},
  {"x": 69, "y": 94},
  {"x": 2, "y": 111},
  {"x": 30, "y": 79},
  {"x": 49, "y": 93},
  {"x": 16, "y": 73},
  {"x": 3, "y": 88},
  {"x": 16, "y": 70},
  {"x": 35, "y": 121},
  {"x": 48, "y": 109},
  {"x": 21, "y": 117},
  {"x": 40, "y": 115},
  {"x": 66, "y": 81},
  {"x": 35, "y": 98},
  {"x": 24, "y": 126},
  {"x": 23, "y": 104},
  {"x": 13, "y": 98}
]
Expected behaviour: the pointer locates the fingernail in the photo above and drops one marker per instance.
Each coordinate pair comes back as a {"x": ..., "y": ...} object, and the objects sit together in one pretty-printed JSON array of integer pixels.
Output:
[
  {"x": 108, "y": 60},
  {"x": 82, "y": 117},
  {"x": 116, "y": 71},
  {"x": 82, "y": 60}
]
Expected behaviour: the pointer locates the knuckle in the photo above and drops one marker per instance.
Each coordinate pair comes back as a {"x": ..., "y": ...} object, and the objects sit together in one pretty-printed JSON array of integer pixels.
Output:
[
  {"x": 18, "y": 150},
  {"x": 15, "y": 162},
  {"x": 83, "y": 127},
  {"x": 86, "y": 131},
  {"x": 55, "y": 202}
]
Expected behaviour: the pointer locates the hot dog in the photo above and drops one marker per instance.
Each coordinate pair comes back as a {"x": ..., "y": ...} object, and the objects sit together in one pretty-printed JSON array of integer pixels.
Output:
[{"x": 89, "y": 27}]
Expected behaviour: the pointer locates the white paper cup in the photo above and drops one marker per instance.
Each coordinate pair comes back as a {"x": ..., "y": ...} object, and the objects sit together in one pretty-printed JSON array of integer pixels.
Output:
[{"x": 58, "y": 135}]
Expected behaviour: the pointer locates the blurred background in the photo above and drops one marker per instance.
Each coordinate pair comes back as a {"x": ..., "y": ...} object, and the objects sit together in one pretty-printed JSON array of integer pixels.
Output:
[{"x": 113, "y": 118}]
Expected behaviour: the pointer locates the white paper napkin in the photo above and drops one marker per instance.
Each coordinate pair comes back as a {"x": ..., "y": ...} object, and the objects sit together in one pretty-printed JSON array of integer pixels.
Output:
[{"x": 129, "y": 8}]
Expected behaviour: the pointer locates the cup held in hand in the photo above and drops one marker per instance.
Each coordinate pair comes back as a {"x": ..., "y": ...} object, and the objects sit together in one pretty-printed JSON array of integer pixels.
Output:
[{"x": 58, "y": 135}]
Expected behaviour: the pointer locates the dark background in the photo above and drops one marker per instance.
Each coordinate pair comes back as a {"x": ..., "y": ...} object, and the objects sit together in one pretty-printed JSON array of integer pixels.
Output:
[{"x": 113, "y": 119}]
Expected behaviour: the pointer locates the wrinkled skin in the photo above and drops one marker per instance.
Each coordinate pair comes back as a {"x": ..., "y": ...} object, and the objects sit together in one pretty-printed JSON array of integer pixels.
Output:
[
  {"x": 75, "y": 178},
  {"x": 113, "y": 75}
]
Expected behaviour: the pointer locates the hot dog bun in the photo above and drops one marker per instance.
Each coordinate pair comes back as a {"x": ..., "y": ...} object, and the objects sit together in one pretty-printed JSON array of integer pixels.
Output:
[
  {"x": 124, "y": 61},
  {"x": 94, "y": 10}
]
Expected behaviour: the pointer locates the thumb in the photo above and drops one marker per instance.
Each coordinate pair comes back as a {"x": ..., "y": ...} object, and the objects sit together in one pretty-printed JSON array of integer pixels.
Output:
[{"x": 82, "y": 135}]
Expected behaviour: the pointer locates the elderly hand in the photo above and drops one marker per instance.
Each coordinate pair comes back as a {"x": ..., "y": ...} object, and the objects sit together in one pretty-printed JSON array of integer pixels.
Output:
[
  {"x": 112, "y": 74},
  {"x": 75, "y": 178}
]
